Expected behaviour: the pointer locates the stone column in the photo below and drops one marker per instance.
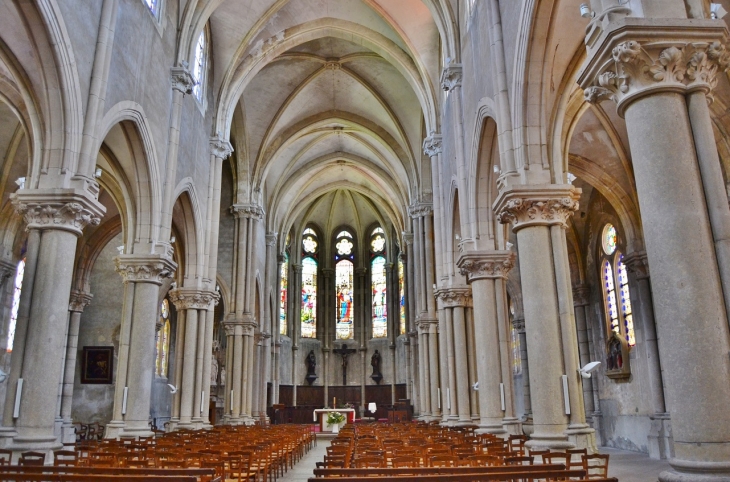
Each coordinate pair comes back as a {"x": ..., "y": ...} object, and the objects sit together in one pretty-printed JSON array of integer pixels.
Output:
[
  {"x": 79, "y": 301},
  {"x": 230, "y": 393},
  {"x": 519, "y": 326},
  {"x": 194, "y": 303},
  {"x": 580, "y": 303},
  {"x": 391, "y": 279},
  {"x": 483, "y": 269},
  {"x": 434, "y": 375},
  {"x": 446, "y": 363},
  {"x": 296, "y": 327},
  {"x": 539, "y": 214},
  {"x": 55, "y": 219},
  {"x": 661, "y": 445},
  {"x": 472, "y": 363},
  {"x": 692, "y": 321},
  {"x": 423, "y": 372},
  {"x": 143, "y": 275}
]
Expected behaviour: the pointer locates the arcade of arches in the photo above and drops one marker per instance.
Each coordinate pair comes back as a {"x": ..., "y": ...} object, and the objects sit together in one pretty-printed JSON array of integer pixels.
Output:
[{"x": 208, "y": 207}]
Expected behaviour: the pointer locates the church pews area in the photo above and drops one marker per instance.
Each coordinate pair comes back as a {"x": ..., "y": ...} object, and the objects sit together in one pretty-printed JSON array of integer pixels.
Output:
[
  {"x": 415, "y": 452},
  {"x": 226, "y": 453}
]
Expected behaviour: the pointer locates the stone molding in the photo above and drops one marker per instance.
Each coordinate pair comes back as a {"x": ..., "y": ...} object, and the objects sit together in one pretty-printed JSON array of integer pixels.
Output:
[
  {"x": 581, "y": 295},
  {"x": 328, "y": 272},
  {"x": 544, "y": 205},
  {"x": 7, "y": 270},
  {"x": 297, "y": 268},
  {"x": 519, "y": 325},
  {"x": 151, "y": 268},
  {"x": 229, "y": 328},
  {"x": 433, "y": 145},
  {"x": 253, "y": 211},
  {"x": 64, "y": 209},
  {"x": 79, "y": 300},
  {"x": 408, "y": 238},
  {"x": 454, "y": 297},
  {"x": 182, "y": 80},
  {"x": 417, "y": 210},
  {"x": 638, "y": 264},
  {"x": 193, "y": 299},
  {"x": 220, "y": 147},
  {"x": 477, "y": 265},
  {"x": 451, "y": 77},
  {"x": 634, "y": 60}
]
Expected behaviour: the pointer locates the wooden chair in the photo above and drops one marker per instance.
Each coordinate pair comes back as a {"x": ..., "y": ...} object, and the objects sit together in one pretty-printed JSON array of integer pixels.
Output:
[
  {"x": 6, "y": 456},
  {"x": 66, "y": 458},
  {"x": 573, "y": 464},
  {"x": 369, "y": 462},
  {"x": 32, "y": 458},
  {"x": 442, "y": 461},
  {"x": 556, "y": 458},
  {"x": 596, "y": 465},
  {"x": 482, "y": 460},
  {"x": 408, "y": 461},
  {"x": 519, "y": 460},
  {"x": 539, "y": 453}
]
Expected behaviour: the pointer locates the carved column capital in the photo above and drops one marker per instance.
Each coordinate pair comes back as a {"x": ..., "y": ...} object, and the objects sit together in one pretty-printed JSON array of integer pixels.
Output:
[
  {"x": 151, "y": 268},
  {"x": 417, "y": 210},
  {"x": 451, "y": 77},
  {"x": 229, "y": 328},
  {"x": 408, "y": 238},
  {"x": 519, "y": 325},
  {"x": 545, "y": 205},
  {"x": 280, "y": 259},
  {"x": 478, "y": 265},
  {"x": 253, "y": 211},
  {"x": 581, "y": 295},
  {"x": 182, "y": 79},
  {"x": 220, "y": 147},
  {"x": 432, "y": 145},
  {"x": 361, "y": 271},
  {"x": 79, "y": 300},
  {"x": 271, "y": 239},
  {"x": 64, "y": 209},
  {"x": 192, "y": 298},
  {"x": 7, "y": 270},
  {"x": 638, "y": 264},
  {"x": 327, "y": 272},
  {"x": 454, "y": 296},
  {"x": 297, "y": 268},
  {"x": 634, "y": 60}
]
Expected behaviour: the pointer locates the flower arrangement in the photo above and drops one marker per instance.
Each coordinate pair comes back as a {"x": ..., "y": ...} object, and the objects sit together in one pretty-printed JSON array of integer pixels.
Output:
[{"x": 335, "y": 418}]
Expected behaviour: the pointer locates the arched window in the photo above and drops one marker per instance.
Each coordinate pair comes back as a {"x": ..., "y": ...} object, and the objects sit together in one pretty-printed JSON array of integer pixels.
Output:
[
  {"x": 615, "y": 284},
  {"x": 200, "y": 65},
  {"x": 163, "y": 341},
  {"x": 344, "y": 286},
  {"x": 401, "y": 298},
  {"x": 18, "y": 286},
  {"x": 310, "y": 249},
  {"x": 283, "y": 290},
  {"x": 380, "y": 310},
  {"x": 154, "y": 6}
]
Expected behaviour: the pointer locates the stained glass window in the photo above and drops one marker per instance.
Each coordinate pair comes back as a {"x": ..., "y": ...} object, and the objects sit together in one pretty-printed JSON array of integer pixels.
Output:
[
  {"x": 16, "y": 303},
  {"x": 609, "y": 239},
  {"x": 309, "y": 298},
  {"x": 344, "y": 246},
  {"x": 377, "y": 244},
  {"x": 163, "y": 341},
  {"x": 153, "y": 5},
  {"x": 401, "y": 298},
  {"x": 283, "y": 295},
  {"x": 380, "y": 310},
  {"x": 623, "y": 287},
  {"x": 344, "y": 234},
  {"x": 199, "y": 65},
  {"x": 309, "y": 241},
  {"x": 610, "y": 292},
  {"x": 344, "y": 299}
]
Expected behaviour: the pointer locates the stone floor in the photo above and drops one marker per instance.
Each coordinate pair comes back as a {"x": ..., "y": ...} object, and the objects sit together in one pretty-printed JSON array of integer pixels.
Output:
[{"x": 626, "y": 466}]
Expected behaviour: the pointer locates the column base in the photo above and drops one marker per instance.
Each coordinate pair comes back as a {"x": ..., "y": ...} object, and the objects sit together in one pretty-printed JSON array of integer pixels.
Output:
[
  {"x": 117, "y": 429},
  {"x": 691, "y": 471},
  {"x": 542, "y": 441},
  {"x": 465, "y": 423},
  {"x": 660, "y": 439},
  {"x": 582, "y": 437},
  {"x": 512, "y": 426},
  {"x": 68, "y": 432},
  {"x": 45, "y": 444}
]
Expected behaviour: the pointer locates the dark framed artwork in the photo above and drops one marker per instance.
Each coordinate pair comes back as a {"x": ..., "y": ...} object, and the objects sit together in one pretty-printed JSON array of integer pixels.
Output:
[{"x": 96, "y": 364}]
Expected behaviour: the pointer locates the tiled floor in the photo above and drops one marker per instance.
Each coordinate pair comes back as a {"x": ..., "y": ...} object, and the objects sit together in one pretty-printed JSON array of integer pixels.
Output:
[{"x": 626, "y": 466}]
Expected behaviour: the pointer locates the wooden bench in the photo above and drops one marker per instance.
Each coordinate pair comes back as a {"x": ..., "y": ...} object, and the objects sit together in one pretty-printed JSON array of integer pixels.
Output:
[
  {"x": 389, "y": 471},
  {"x": 465, "y": 477},
  {"x": 21, "y": 477},
  {"x": 193, "y": 474}
]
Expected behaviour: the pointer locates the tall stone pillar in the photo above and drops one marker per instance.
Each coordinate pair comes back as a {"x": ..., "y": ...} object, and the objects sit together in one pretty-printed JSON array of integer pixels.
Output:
[
  {"x": 580, "y": 303},
  {"x": 229, "y": 329},
  {"x": 79, "y": 301},
  {"x": 539, "y": 214},
  {"x": 670, "y": 171},
  {"x": 143, "y": 275},
  {"x": 661, "y": 443},
  {"x": 296, "y": 329},
  {"x": 55, "y": 219},
  {"x": 483, "y": 269},
  {"x": 519, "y": 325}
]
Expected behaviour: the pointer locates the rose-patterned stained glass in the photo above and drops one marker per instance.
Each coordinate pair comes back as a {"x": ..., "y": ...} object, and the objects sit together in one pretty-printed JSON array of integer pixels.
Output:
[
  {"x": 18, "y": 286},
  {"x": 401, "y": 298},
  {"x": 609, "y": 290},
  {"x": 625, "y": 297},
  {"x": 309, "y": 244},
  {"x": 377, "y": 244},
  {"x": 344, "y": 246},
  {"x": 609, "y": 239},
  {"x": 344, "y": 300},
  {"x": 380, "y": 310},
  {"x": 284, "y": 289},
  {"x": 309, "y": 298}
]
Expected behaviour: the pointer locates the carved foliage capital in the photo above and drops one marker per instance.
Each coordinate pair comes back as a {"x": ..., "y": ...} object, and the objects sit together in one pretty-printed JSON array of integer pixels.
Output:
[
  {"x": 453, "y": 297},
  {"x": 638, "y": 264},
  {"x": 253, "y": 211},
  {"x": 79, "y": 300},
  {"x": 220, "y": 147},
  {"x": 478, "y": 265},
  {"x": 144, "y": 269},
  {"x": 432, "y": 145},
  {"x": 271, "y": 239},
  {"x": 451, "y": 77},
  {"x": 182, "y": 79},
  {"x": 537, "y": 207},
  {"x": 637, "y": 67},
  {"x": 195, "y": 299},
  {"x": 418, "y": 210},
  {"x": 69, "y": 211}
]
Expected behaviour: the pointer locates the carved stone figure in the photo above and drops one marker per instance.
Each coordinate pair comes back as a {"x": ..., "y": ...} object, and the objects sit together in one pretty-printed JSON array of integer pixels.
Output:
[
  {"x": 213, "y": 371},
  {"x": 375, "y": 363},
  {"x": 311, "y": 362}
]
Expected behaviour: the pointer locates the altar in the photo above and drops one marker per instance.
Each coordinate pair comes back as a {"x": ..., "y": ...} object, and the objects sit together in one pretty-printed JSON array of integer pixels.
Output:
[{"x": 322, "y": 413}]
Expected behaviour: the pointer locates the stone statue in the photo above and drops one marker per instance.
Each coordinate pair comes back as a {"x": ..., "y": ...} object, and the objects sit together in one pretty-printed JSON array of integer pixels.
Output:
[
  {"x": 213, "y": 371},
  {"x": 311, "y": 361},
  {"x": 223, "y": 376},
  {"x": 375, "y": 363}
]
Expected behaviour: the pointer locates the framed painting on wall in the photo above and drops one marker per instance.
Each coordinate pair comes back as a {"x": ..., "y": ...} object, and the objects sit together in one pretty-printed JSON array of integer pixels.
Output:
[{"x": 96, "y": 364}]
